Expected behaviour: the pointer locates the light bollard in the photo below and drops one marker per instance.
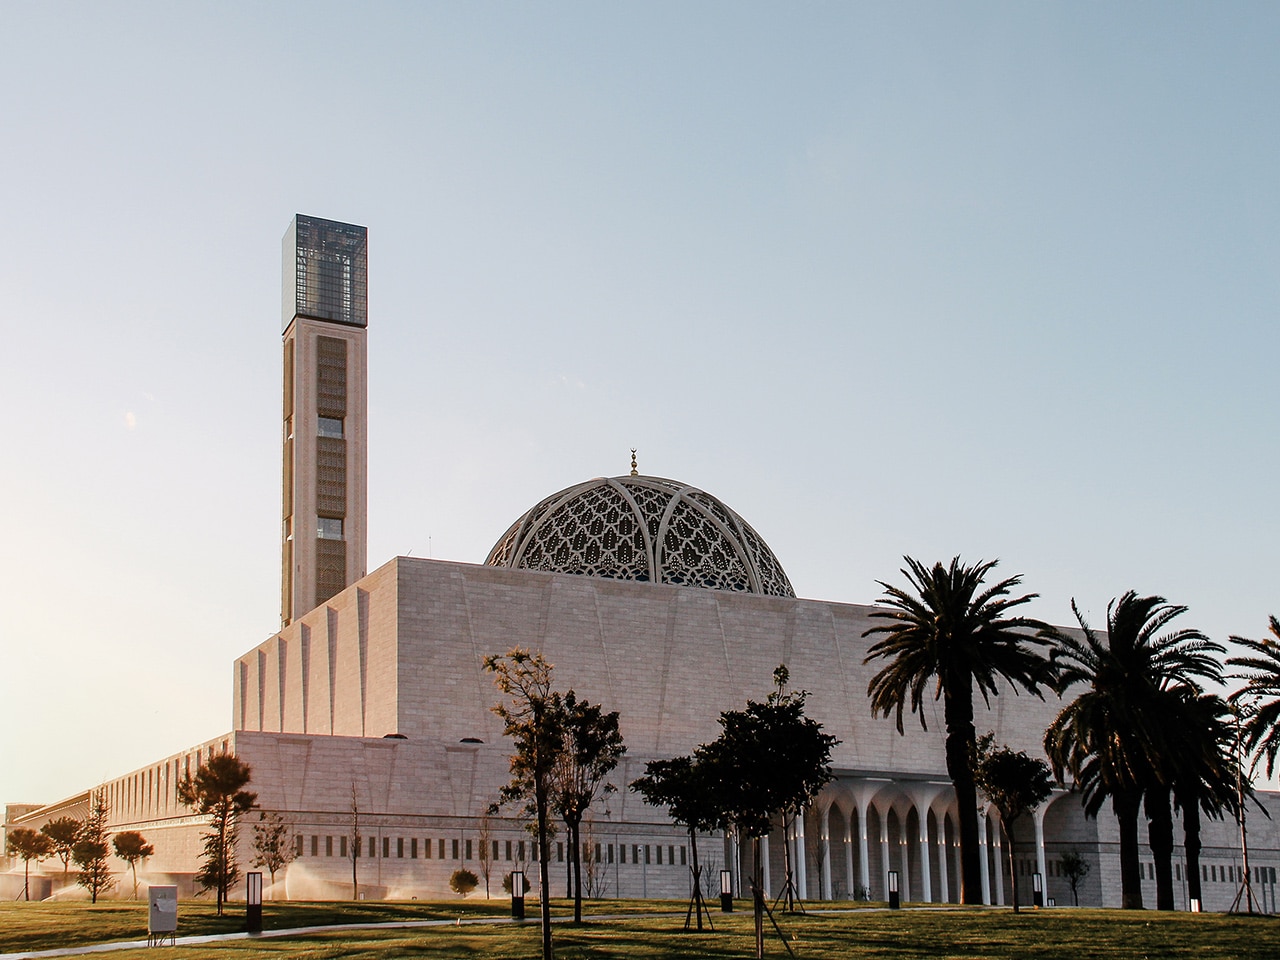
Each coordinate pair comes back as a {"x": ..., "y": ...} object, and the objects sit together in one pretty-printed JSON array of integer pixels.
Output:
[
  {"x": 895, "y": 900},
  {"x": 726, "y": 891},
  {"x": 517, "y": 894},
  {"x": 1037, "y": 890},
  {"x": 253, "y": 903}
]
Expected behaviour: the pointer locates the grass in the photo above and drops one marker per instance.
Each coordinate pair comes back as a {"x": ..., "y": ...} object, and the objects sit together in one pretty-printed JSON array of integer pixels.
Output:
[{"x": 913, "y": 934}]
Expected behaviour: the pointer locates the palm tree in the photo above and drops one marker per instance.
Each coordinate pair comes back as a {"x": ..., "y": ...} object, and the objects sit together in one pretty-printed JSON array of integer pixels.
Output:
[
  {"x": 1207, "y": 779},
  {"x": 952, "y": 633},
  {"x": 1114, "y": 737},
  {"x": 1262, "y": 687}
]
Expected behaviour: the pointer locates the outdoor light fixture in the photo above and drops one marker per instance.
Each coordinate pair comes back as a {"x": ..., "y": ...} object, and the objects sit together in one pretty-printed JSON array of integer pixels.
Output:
[
  {"x": 726, "y": 891},
  {"x": 1037, "y": 889},
  {"x": 517, "y": 894},
  {"x": 253, "y": 902},
  {"x": 895, "y": 901}
]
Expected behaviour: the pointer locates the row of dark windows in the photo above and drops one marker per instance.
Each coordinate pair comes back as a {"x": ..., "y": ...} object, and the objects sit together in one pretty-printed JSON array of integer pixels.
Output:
[{"x": 443, "y": 848}]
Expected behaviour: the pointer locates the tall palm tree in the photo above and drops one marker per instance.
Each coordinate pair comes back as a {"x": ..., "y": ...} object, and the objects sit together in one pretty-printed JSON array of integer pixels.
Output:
[
  {"x": 952, "y": 633},
  {"x": 1206, "y": 778},
  {"x": 1114, "y": 736},
  {"x": 1261, "y": 674}
]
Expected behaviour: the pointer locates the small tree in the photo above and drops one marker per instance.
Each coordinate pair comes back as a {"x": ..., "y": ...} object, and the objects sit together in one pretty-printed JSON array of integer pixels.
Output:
[
  {"x": 131, "y": 846},
  {"x": 353, "y": 834},
  {"x": 273, "y": 843},
  {"x": 1015, "y": 784},
  {"x": 217, "y": 791},
  {"x": 62, "y": 834},
  {"x": 769, "y": 759},
  {"x": 532, "y": 722},
  {"x": 1075, "y": 868},
  {"x": 91, "y": 850},
  {"x": 591, "y": 748},
  {"x": 484, "y": 836},
  {"x": 29, "y": 845},
  {"x": 688, "y": 791},
  {"x": 463, "y": 881}
]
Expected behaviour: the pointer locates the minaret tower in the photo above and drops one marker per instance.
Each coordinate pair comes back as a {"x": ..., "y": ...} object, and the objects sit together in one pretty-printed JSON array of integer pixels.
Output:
[{"x": 324, "y": 513}]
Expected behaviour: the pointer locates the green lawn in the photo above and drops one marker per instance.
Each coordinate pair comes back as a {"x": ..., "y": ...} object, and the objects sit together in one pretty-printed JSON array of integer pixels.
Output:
[{"x": 914, "y": 933}]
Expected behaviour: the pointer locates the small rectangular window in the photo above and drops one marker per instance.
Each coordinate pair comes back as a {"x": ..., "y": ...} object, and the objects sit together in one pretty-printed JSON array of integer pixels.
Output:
[
  {"x": 400, "y": 848},
  {"x": 386, "y": 847},
  {"x": 495, "y": 851},
  {"x": 342, "y": 846},
  {"x": 315, "y": 845},
  {"x": 671, "y": 854},
  {"x": 455, "y": 849},
  {"x": 328, "y": 846},
  {"x": 426, "y": 846},
  {"x": 508, "y": 849},
  {"x": 298, "y": 847},
  {"x": 329, "y": 427},
  {"x": 609, "y": 849},
  {"x": 622, "y": 853},
  {"x": 683, "y": 861},
  {"x": 597, "y": 853},
  {"x": 658, "y": 850},
  {"x": 560, "y": 851},
  {"x": 646, "y": 854},
  {"x": 519, "y": 849},
  {"x": 413, "y": 849},
  {"x": 328, "y": 528},
  {"x": 373, "y": 848},
  {"x": 441, "y": 848},
  {"x": 468, "y": 849}
]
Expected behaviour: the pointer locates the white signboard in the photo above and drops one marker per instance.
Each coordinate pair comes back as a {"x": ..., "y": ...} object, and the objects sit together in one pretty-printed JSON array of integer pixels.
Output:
[{"x": 163, "y": 916}]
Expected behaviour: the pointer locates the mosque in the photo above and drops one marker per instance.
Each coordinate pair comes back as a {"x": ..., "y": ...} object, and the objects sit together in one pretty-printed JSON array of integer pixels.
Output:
[{"x": 650, "y": 597}]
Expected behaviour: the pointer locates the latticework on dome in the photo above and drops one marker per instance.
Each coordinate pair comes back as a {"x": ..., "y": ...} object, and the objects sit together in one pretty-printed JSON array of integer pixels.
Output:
[{"x": 645, "y": 529}]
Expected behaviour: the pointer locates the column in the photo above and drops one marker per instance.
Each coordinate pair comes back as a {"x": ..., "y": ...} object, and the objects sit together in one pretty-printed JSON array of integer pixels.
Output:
[
  {"x": 983, "y": 859},
  {"x": 904, "y": 858},
  {"x": 864, "y": 850},
  {"x": 1040, "y": 858},
  {"x": 764, "y": 867},
  {"x": 824, "y": 831},
  {"x": 848, "y": 854},
  {"x": 886, "y": 864},
  {"x": 998, "y": 851},
  {"x": 944, "y": 865},
  {"x": 802, "y": 874},
  {"x": 926, "y": 872}
]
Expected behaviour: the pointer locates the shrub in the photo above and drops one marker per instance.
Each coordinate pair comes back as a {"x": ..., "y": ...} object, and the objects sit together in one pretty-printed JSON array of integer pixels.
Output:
[{"x": 463, "y": 882}]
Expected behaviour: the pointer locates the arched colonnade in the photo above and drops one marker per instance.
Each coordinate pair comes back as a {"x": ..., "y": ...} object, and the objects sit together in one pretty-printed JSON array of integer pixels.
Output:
[{"x": 859, "y": 829}]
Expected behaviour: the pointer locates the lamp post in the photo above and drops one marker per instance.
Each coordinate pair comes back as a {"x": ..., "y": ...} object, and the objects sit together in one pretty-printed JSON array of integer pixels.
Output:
[
  {"x": 253, "y": 902},
  {"x": 517, "y": 894},
  {"x": 895, "y": 902},
  {"x": 726, "y": 891}
]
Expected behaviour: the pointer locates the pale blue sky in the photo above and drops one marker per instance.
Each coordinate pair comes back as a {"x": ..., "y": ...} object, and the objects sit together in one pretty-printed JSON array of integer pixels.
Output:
[{"x": 989, "y": 279}]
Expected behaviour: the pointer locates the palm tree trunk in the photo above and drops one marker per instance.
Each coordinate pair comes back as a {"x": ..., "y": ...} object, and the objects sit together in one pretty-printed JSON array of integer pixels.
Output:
[
  {"x": 958, "y": 709},
  {"x": 1160, "y": 840},
  {"x": 1127, "y": 804},
  {"x": 1191, "y": 840}
]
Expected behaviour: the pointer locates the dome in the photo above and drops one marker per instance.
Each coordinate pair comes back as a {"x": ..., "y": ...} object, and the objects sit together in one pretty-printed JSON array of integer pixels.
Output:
[{"x": 644, "y": 529}]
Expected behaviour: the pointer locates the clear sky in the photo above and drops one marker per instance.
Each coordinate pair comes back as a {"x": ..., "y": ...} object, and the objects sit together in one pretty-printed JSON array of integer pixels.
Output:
[{"x": 997, "y": 280}]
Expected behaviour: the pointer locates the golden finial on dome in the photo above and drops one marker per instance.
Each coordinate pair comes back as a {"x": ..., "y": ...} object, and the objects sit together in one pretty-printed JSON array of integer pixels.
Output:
[{"x": 634, "y": 471}]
